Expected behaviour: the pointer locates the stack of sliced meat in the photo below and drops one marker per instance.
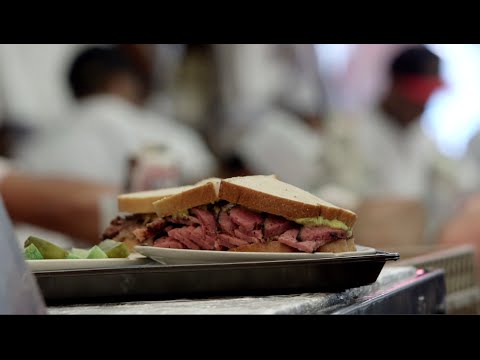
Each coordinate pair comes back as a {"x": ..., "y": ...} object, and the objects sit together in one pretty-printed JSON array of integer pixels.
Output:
[{"x": 220, "y": 228}]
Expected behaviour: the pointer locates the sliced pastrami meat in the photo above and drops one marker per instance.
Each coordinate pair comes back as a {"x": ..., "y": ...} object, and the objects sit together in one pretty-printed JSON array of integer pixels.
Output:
[
  {"x": 276, "y": 225},
  {"x": 168, "y": 242},
  {"x": 225, "y": 223},
  {"x": 245, "y": 218}
]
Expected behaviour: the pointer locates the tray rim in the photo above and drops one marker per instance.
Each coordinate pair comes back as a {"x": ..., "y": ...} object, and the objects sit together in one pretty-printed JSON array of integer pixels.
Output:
[{"x": 379, "y": 256}]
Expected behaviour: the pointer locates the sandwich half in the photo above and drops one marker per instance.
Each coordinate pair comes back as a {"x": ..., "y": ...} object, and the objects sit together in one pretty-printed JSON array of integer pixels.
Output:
[{"x": 251, "y": 213}]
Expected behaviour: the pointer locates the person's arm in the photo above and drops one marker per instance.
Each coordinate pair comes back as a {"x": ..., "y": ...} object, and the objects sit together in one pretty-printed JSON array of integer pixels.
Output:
[{"x": 68, "y": 206}]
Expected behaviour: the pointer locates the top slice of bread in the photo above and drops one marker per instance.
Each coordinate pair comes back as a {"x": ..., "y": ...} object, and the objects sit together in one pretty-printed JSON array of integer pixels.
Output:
[
  {"x": 142, "y": 202},
  {"x": 260, "y": 193},
  {"x": 202, "y": 193},
  {"x": 267, "y": 194}
]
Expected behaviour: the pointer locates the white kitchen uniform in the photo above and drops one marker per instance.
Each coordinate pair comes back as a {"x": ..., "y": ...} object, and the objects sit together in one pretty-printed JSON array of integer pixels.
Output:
[
  {"x": 471, "y": 161},
  {"x": 371, "y": 155},
  {"x": 104, "y": 132},
  {"x": 281, "y": 144},
  {"x": 254, "y": 78}
]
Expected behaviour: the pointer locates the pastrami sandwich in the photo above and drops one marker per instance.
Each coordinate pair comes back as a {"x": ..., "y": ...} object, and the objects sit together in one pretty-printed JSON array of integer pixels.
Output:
[{"x": 250, "y": 213}]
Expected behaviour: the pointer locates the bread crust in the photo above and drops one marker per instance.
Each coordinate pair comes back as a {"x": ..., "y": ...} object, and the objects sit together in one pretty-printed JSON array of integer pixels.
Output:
[
  {"x": 259, "y": 193},
  {"x": 271, "y": 246},
  {"x": 336, "y": 246},
  {"x": 195, "y": 196},
  {"x": 291, "y": 209},
  {"x": 142, "y": 202}
]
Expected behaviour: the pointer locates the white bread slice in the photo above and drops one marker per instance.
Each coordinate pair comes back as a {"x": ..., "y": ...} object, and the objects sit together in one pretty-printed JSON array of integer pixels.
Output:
[
  {"x": 142, "y": 202},
  {"x": 342, "y": 245},
  {"x": 271, "y": 246},
  {"x": 267, "y": 194},
  {"x": 336, "y": 246},
  {"x": 260, "y": 193},
  {"x": 202, "y": 193}
]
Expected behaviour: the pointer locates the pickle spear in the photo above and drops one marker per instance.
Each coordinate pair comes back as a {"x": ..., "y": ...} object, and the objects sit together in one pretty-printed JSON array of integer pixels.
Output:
[
  {"x": 79, "y": 253},
  {"x": 96, "y": 253},
  {"x": 105, "y": 245},
  {"x": 120, "y": 250},
  {"x": 47, "y": 249},
  {"x": 32, "y": 253}
]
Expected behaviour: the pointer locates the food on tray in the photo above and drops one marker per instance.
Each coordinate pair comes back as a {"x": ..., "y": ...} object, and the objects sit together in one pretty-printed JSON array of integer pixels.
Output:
[
  {"x": 251, "y": 213},
  {"x": 38, "y": 249},
  {"x": 46, "y": 248},
  {"x": 32, "y": 253}
]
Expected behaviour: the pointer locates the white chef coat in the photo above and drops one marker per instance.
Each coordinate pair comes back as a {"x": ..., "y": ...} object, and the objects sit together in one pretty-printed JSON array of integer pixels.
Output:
[
  {"x": 281, "y": 144},
  {"x": 255, "y": 77},
  {"x": 471, "y": 161},
  {"x": 104, "y": 132},
  {"x": 371, "y": 155}
]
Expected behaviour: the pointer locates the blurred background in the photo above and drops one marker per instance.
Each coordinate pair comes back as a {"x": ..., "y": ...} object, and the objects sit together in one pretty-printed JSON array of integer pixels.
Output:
[{"x": 387, "y": 130}]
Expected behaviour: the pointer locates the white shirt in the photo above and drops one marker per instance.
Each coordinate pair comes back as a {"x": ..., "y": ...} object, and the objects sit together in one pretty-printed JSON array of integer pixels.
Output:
[
  {"x": 105, "y": 132},
  {"x": 281, "y": 144},
  {"x": 253, "y": 77},
  {"x": 372, "y": 156},
  {"x": 472, "y": 162}
]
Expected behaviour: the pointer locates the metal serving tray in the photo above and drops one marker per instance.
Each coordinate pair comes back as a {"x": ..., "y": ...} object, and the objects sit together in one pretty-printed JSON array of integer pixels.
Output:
[{"x": 156, "y": 281}]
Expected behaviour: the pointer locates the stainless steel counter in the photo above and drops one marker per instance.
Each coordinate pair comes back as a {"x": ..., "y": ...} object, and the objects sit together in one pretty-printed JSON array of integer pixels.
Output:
[{"x": 397, "y": 290}]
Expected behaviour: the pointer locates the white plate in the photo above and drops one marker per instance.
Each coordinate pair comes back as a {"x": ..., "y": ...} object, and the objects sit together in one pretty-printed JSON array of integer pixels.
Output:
[
  {"x": 181, "y": 256},
  {"x": 77, "y": 264}
]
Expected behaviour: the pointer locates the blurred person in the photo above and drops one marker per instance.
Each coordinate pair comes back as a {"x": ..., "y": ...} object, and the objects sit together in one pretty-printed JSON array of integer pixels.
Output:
[
  {"x": 227, "y": 91},
  {"x": 62, "y": 206},
  {"x": 383, "y": 153},
  {"x": 109, "y": 128},
  {"x": 272, "y": 101},
  {"x": 471, "y": 158},
  {"x": 161, "y": 67},
  {"x": 175, "y": 79},
  {"x": 158, "y": 65},
  {"x": 142, "y": 56},
  {"x": 282, "y": 144},
  {"x": 194, "y": 89},
  {"x": 463, "y": 227}
]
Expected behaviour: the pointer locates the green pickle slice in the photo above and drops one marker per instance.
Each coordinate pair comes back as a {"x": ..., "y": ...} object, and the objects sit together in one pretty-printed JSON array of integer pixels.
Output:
[
  {"x": 31, "y": 252},
  {"x": 46, "y": 248},
  {"x": 36, "y": 249},
  {"x": 96, "y": 253},
  {"x": 79, "y": 253},
  {"x": 105, "y": 245},
  {"x": 119, "y": 251}
]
